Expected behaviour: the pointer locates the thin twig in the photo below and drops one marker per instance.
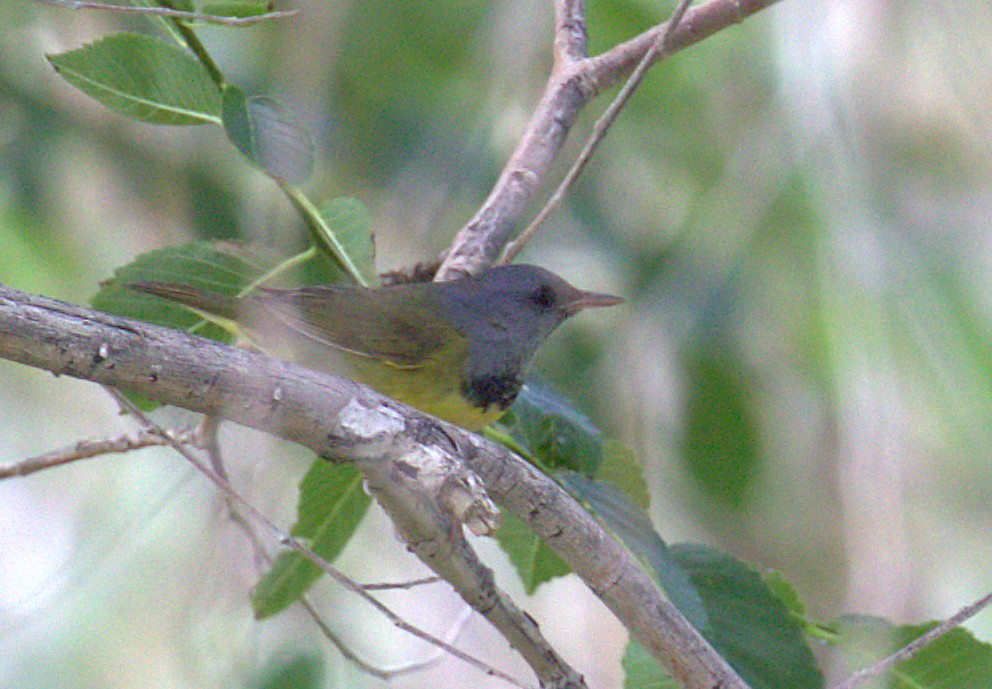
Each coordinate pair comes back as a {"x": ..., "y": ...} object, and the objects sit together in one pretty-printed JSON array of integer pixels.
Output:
[
  {"x": 917, "y": 644},
  {"x": 294, "y": 544},
  {"x": 403, "y": 585},
  {"x": 208, "y": 434},
  {"x": 208, "y": 430},
  {"x": 657, "y": 52},
  {"x": 387, "y": 673},
  {"x": 263, "y": 554},
  {"x": 170, "y": 13},
  {"x": 88, "y": 449},
  {"x": 572, "y": 84}
]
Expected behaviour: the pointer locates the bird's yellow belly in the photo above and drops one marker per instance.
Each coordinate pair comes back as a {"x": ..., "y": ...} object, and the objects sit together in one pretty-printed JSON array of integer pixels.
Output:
[{"x": 428, "y": 388}]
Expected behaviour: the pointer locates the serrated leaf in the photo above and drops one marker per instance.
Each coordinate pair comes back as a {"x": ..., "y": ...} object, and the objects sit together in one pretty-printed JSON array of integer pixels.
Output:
[
  {"x": 268, "y": 135},
  {"x": 748, "y": 624},
  {"x": 143, "y": 77},
  {"x": 534, "y": 561},
  {"x": 954, "y": 661},
  {"x": 786, "y": 592},
  {"x": 351, "y": 224},
  {"x": 216, "y": 266},
  {"x": 633, "y": 527},
  {"x": 333, "y": 503},
  {"x": 553, "y": 432},
  {"x": 622, "y": 468}
]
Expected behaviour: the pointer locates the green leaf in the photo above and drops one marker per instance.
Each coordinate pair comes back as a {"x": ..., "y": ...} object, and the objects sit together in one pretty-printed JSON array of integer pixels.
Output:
[
  {"x": 268, "y": 135},
  {"x": 622, "y": 468},
  {"x": 333, "y": 502},
  {"x": 553, "y": 432},
  {"x": 143, "y": 77},
  {"x": 237, "y": 8},
  {"x": 748, "y": 624},
  {"x": 221, "y": 267},
  {"x": 632, "y": 525},
  {"x": 954, "y": 661},
  {"x": 350, "y": 223},
  {"x": 642, "y": 671},
  {"x": 534, "y": 561},
  {"x": 300, "y": 671},
  {"x": 325, "y": 241},
  {"x": 785, "y": 592},
  {"x": 720, "y": 446}
]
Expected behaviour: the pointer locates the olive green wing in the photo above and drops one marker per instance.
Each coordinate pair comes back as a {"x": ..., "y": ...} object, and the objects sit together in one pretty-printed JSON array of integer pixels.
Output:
[{"x": 399, "y": 326}]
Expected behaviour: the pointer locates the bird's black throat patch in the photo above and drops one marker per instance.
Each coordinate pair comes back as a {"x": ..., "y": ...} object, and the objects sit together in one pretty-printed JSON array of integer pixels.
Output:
[{"x": 492, "y": 390}]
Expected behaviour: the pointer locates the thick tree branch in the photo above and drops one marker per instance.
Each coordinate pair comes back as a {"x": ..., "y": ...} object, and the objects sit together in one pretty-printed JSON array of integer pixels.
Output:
[
  {"x": 344, "y": 421},
  {"x": 574, "y": 81},
  {"x": 407, "y": 460},
  {"x": 245, "y": 513}
]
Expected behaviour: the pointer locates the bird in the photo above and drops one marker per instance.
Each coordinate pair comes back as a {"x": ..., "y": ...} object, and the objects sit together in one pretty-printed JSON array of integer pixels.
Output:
[{"x": 457, "y": 350}]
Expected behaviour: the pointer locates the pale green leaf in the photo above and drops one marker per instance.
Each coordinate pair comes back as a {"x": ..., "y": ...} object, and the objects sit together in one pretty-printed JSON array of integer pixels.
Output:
[
  {"x": 143, "y": 77},
  {"x": 237, "y": 8},
  {"x": 954, "y": 661},
  {"x": 351, "y": 224},
  {"x": 534, "y": 561},
  {"x": 332, "y": 504},
  {"x": 268, "y": 135}
]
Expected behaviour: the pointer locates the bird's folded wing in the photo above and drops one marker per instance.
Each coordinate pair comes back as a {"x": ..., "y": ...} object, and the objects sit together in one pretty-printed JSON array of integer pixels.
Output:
[{"x": 389, "y": 327}]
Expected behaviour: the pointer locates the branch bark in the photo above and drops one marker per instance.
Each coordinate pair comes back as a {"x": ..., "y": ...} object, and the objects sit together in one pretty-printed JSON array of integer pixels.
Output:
[
  {"x": 343, "y": 421},
  {"x": 574, "y": 81}
]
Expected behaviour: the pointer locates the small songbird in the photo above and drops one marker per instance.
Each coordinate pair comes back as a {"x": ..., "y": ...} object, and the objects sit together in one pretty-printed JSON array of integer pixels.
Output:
[{"x": 457, "y": 350}]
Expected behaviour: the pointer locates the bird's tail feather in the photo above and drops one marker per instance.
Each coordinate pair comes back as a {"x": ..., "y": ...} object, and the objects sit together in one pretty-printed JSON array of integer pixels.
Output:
[{"x": 210, "y": 303}]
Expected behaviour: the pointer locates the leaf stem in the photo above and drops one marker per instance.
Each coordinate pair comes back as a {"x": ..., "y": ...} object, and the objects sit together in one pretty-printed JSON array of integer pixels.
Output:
[
  {"x": 288, "y": 264},
  {"x": 196, "y": 46},
  {"x": 321, "y": 233}
]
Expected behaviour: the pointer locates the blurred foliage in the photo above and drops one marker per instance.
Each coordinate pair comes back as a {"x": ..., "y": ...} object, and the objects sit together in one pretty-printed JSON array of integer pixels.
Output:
[
  {"x": 720, "y": 446},
  {"x": 796, "y": 209},
  {"x": 747, "y": 624},
  {"x": 956, "y": 660},
  {"x": 295, "y": 672}
]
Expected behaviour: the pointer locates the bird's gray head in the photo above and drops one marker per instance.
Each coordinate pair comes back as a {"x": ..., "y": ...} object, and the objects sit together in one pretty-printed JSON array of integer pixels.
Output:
[
  {"x": 529, "y": 300},
  {"x": 506, "y": 313}
]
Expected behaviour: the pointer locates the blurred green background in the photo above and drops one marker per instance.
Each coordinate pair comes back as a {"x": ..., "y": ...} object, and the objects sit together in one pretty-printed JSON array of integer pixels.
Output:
[{"x": 797, "y": 210}]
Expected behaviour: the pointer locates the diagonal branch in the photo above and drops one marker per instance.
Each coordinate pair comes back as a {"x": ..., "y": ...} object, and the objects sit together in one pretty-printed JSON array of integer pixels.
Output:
[
  {"x": 916, "y": 645},
  {"x": 658, "y": 50},
  {"x": 344, "y": 421},
  {"x": 245, "y": 508},
  {"x": 407, "y": 460},
  {"x": 574, "y": 81}
]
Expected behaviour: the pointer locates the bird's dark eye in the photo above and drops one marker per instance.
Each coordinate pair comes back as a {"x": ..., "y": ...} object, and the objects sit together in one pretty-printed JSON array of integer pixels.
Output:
[{"x": 544, "y": 297}]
